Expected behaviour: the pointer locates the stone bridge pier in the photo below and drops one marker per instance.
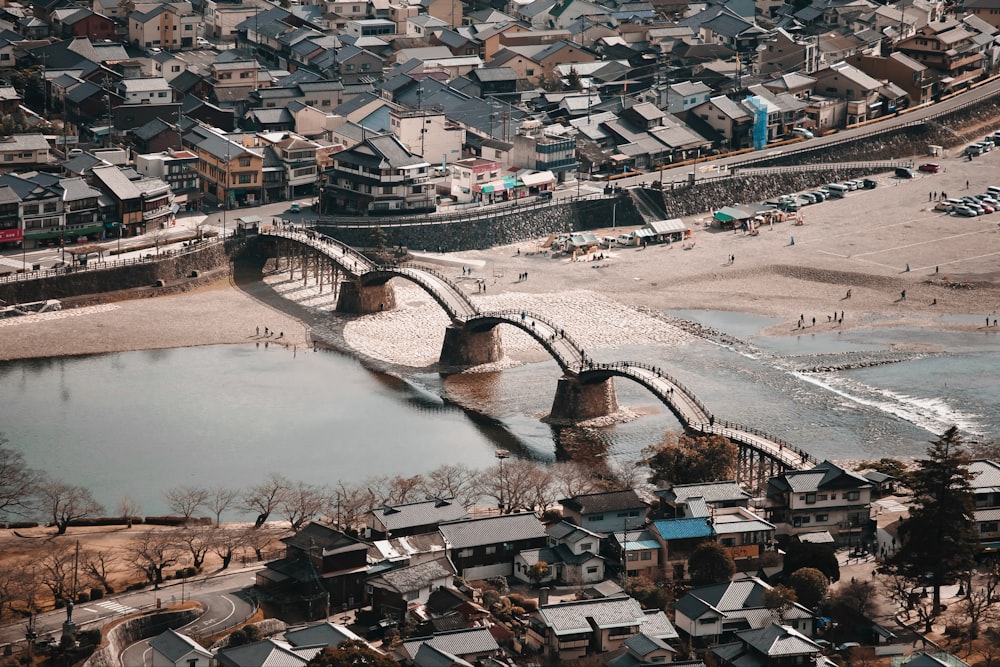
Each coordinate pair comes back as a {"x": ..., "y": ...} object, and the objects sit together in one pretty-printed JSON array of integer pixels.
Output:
[
  {"x": 578, "y": 401},
  {"x": 363, "y": 299},
  {"x": 464, "y": 346}
]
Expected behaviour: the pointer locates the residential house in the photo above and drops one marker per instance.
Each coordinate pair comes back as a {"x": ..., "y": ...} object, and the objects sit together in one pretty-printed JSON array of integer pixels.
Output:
[
  {"x": 537, "y": 62},
  {"x": 730, "y": 121},
  {"x": 986, "y": 494},
  {"x": 298, "y": 172},
  {"x": 266, "y": 652},
  {"x": 39, "y": 212},
  {"x": 152, "y": 90},
  {"x": 495, "y": 81},
  {"x": 230, "y": 172},
  {"x": 408, "y": 549},
  {"x": 638, "y": 552},
  {"x": 686, "y": 500},
  {"x": 379, "y": 176},
  {"x": 322, "y": 569},
  {"x": 19, "y": 151},
  {"x": 901, "y": 70},
  {"x": 178, "y": 168},
  {"x": 642, "y": 649},
  {"x": 172, "y": 649},
  {"x": 823, "y": 498},
  {"x": 428, "y": 133},
  {"x": 678, "y": 539},
  {"x": 170, "y": 26},
  {"x": 799, "y": 85},
  {"x": 155, "y": 136},
  {"x": 544, "y": 149},
  {"x": 412, "y": 518},
  {"x": 571, "y": 554},
  {"x": 168, "y": 65},
  {"x": 471, "y": 645},
  {"x": 357, "y": 65},
  {"x": 573, "y": 630},
  {"x": 68, "y": 22},
  {"x": 860, "y": 91},
  {"x": 788, "y": 52},
  {"x": 684, "y": 96},
  {"x": 450, "y": 609},
  {"x": 222, "y": 18},
  {"x": 710, "y": 615},
  {"x": 744, "y": 534},
  {"x": 141, "y": 204},
  {"x": 606, "y": 512},
  {"x": 950, "y": 48},
  {"x": 771, "y": 646},
  {"x": 987, "y": 10},
  {"x": 393, "y": 592},
  {"x": 483, "y": 548}
]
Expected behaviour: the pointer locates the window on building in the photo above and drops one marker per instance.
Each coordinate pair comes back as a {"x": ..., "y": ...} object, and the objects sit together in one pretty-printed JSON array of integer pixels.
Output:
[
  {"x": 852, "y": 495},
  {"x": 416, "y": 189},
  {"x": 530, "y": 72},
  {"x": 465, "y": 553},
  {"x": 989, "y": 527},
  {"x": 188, "y": 27},
  {"x": 587, "y": 546},
  {"x": 633, "y": 556},
  {"x": 247, "y": 178},
  {"x": 413, "y": 595},
  {"x": 244, "y": 162},
  {"x": 647, "y": 555},
  {"x": 491, "y": 550},
  {"x": 592, "y": 570},
  {"x": 821, "y": 518},
  {"x": 595, "y": 517},
  {"x": 387, "y": 189},
  {"x": 810, "y": 498}
]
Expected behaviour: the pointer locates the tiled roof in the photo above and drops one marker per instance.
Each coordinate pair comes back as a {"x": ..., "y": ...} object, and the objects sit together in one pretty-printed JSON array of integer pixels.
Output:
[
  {"x": 424, "y": 513},
  {"x": 325, "y": 634},
  {"x": 414, "y": 577},
  {"x": 711, "y": 492},
  {"x": 569, "y": 533},
  {"x": 779, "y": 640},
  {"x": 595, "y": 503},
  {"x": 267, "y": 653},
  {"x": 987, "y": 475},
  {"x": 175, "y": 646},
  {"x": 457, "y": 642},
  {"x": 492, "y": 530},
  {"x": 586, "y": 615},
  {"x": 643, "y": 644}
]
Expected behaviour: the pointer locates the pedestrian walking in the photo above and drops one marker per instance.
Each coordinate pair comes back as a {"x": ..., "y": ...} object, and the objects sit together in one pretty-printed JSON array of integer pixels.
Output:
[
  {"x": 907, "y": 267},
  {"x": 902, "y": 295},
  {"x": 936, "y": 269},
  {"x": 841, "y": 316},
  {"x": 930, "y": 196},
  {"x": 966, "y": 185},
  {"x": 814, "y": 321},
  {"x": 265, "y": 332},
  {"x": 258, "y": 331},
  {"x": 934, "y": 302},
  {"x": 848, "y": 294}
]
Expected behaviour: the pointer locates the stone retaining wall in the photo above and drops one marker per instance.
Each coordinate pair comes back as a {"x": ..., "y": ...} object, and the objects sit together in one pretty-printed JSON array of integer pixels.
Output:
[
  {"x": 136, "y": 629},
  {"x": 169, "y": 269}
]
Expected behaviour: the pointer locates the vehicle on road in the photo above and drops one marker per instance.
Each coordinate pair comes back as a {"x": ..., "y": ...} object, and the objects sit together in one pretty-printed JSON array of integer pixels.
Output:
[
  {"x": 545, "y": 195},
  {"x": 929, "y": 167},
  {"x": 296, "y": 207},
  {"x": 802, "y": 132},
  {"x": 820, "y": 195},
  {"x": 837, "y": 190}
]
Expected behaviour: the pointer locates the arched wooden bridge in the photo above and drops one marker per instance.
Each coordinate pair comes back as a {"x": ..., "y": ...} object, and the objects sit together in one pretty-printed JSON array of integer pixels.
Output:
[{"x": 761, "y": 454}]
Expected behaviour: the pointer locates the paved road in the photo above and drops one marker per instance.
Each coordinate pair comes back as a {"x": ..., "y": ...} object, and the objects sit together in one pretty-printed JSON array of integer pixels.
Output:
[{"x": 100, "y": 612}]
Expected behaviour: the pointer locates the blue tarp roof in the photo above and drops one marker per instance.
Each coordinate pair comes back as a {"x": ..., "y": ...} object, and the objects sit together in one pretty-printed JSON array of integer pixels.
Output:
[{"x": 681, "y": 529}]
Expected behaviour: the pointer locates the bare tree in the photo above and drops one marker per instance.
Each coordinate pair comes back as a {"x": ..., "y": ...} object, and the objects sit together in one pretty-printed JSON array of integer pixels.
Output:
[
  {"x": 226, "y": 543},
  {"x": 99, "y": 566},
  {"x": 66, "y": 503},
  {"x": 303, "y": 502},
  {"x": 573, "y": 479},
  {"x": 198, "y": 541},
  {"x": 514, "y": 485},
  {"x": 219, "y": 500},
  {"x": 395, "y": 490},
  {"x": 973, "y": 612},
  {"x": 186, "y": 500},
  {"x": 17, "y": 481},
  {"x": 452, "y": 481},
  {"x": 352, "y": 503},
  {"x": 264, "y": 498},
  {"x": 259, "y": 540},
  {"x": 128, "y": 507},
  {"x": 56, "y": 568},
  {"x": 152, "y": 552},
  {"x": 20, "y": 584}
]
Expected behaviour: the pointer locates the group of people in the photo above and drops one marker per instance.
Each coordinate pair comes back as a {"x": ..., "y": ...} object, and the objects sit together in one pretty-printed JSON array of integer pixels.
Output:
[
  {"x": 270, "y": 332},
  {"x": 939, "y": 196},
  {"x": 829, "y": 318}
]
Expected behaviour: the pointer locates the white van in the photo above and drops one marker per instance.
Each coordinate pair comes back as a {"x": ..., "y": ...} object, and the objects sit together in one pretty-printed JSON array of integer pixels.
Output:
[
  {"x": 837, "y": 190},
  {"x": 627, "y": 239}
]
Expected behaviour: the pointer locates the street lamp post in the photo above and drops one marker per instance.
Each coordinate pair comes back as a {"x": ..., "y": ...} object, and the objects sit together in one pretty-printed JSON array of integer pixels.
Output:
[
  {"x": 501, "y": 455},
  {"x": 614, "y": 215}
]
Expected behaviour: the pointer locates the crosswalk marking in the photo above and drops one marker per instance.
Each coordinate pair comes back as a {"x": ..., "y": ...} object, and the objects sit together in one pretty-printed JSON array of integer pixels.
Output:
[{"x": 116, "y": 607}]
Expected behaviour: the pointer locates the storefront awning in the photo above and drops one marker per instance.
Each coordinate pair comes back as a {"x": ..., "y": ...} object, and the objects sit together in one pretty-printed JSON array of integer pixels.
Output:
[
  {"x": 501, "y": 185},
  {"x": 538, "y": 178}
]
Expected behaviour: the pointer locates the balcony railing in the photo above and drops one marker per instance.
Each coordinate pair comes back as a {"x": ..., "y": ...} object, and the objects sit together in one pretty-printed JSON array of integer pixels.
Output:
[{"x": 155, "y": 213}]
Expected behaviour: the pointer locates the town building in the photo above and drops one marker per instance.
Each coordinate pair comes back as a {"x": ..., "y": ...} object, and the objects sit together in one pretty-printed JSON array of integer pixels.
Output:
[
  {"x": 412, "y": 518},
  {"x": 379, "y": 176},
  {"x": 483, "y": 548}
]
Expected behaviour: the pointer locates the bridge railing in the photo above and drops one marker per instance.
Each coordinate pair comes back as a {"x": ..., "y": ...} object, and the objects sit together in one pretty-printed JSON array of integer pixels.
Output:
[
  {"x": 516, "y": 314},
  {"x": 625, "y": 365},
  {"x": 740, "y": 433},
  {"x": 443, "y": 278},
  {"x": 310, "y": 239}
]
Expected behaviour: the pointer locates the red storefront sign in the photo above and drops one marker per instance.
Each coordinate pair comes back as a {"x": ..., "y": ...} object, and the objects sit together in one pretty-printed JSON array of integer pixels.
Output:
[{"x": 10, "y": 235}]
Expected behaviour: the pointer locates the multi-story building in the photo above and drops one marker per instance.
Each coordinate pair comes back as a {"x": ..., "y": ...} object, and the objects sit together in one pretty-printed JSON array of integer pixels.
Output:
[
  {"x": 231, "y": 174},
  {"x": 986, "y": 492},
  {"x": 379, "y": 177},
  {"x": 150, "y": 90},
  {"x": 164, "y": 26},
  {"x": 297, "y": 157},
  {"x": 469, "y": 175},
  {"x": 544, "y": 149},
  {"x": 23, "y": 150},
  {"x": 427, "y": 133},
  {"x": 178, "y": 168},
  {"x": 142, "y": 204},
  {"x": 55, "y": 209},
  {"x": 11, "y": 231},
  {"x": 824, "y": 498}
]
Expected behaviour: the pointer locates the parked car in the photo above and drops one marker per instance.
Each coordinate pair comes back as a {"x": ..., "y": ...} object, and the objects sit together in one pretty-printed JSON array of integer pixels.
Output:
[
  {"x": 802, "y": 132},
  {"x": 975, "y": 207},
  {"x": 992, "y": 201},
  {"x": 807, "y": 198},
  {"x": 930, "y": 167},
  {"x": 993, "y": 190},
  {"x": 852, "y": 185},
  {"x": 545, "y": 195},
  {"x": 965, "y": 212},
  {"x": 295, "y": 207},
  {"x": 904, "y": 172},
  {"x": 820, "y": 195},
  {"x": 987, "y": 208},
  {"x": 973, "y": 151},
  {"x": 869, "y": 183}
]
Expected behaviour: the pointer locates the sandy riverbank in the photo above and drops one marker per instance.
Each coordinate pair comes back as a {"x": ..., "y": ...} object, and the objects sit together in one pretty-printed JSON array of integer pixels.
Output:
[{"x": 874, "y": 243}]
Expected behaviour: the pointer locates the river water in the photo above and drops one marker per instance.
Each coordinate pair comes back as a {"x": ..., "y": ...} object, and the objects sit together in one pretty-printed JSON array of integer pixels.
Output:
[{"x": 138, "y": 423}]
